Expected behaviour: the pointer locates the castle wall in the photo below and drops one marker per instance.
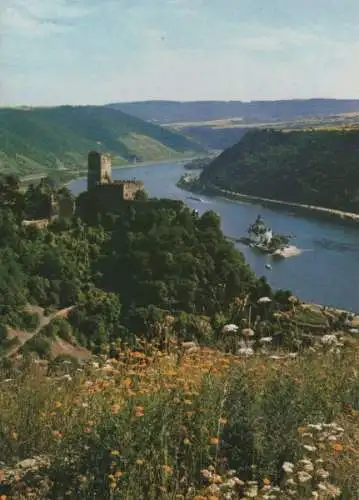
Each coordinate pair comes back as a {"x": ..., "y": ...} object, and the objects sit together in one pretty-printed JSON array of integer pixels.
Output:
[{"x": 130, "y": 188}]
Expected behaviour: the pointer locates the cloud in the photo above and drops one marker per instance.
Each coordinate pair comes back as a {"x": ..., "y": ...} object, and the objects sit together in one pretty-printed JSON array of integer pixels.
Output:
[
  {"x": 36, "y": 18},
  {"x": 274, "y": 39}
]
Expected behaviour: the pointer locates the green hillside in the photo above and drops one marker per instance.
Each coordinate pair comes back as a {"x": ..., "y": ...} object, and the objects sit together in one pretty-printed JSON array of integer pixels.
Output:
[
  {"x": 48, "y": 139},
  {"x": 312, "y": 167}
]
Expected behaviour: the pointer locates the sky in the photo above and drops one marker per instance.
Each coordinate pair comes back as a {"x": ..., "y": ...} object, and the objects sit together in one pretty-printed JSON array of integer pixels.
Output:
[{"x": 56, "y": 52}]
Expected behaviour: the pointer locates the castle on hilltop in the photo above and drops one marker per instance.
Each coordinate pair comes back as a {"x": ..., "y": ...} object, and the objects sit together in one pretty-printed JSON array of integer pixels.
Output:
[
  {"x": 103, "y": 193},
  {"x": 107, "y": 196},
  {"x": 99, "y": 177}
]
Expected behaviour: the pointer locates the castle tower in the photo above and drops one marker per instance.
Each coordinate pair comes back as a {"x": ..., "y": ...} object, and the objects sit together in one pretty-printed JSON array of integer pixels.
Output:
[{"x": 99, "y": 169}]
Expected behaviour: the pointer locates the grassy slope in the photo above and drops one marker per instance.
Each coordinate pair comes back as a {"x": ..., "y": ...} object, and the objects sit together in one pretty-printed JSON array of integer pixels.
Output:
[{"x": 50, "y": 138}]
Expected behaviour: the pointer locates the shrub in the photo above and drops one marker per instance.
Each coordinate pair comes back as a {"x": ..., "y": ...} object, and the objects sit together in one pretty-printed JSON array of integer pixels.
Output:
[
  {"x": 60, "y": 327},
  {"x": 39, "y": 345},
  {"x": 29, "y": 321}
]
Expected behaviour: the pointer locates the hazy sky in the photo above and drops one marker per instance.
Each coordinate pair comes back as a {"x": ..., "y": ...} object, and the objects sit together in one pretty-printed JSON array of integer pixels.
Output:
[{"x": 98, "y": 51}]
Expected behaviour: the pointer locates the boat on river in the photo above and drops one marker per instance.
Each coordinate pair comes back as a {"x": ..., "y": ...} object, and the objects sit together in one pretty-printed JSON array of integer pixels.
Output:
[{"x": 195, "y": 198}]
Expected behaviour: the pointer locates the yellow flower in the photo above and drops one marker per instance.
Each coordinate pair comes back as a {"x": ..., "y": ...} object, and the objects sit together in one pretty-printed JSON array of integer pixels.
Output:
[
  {"x": 214, "y": 440},
  {"x": 127, "y": 382},
  {"x": 115, "y": 453},
  {"x": 223, "y": 421},
  {"x": 58, "y": 404},
  {"x": 118, "y": 473},
  {"x": 186, "y": 441},
  {"x": 140, "y": 462}
]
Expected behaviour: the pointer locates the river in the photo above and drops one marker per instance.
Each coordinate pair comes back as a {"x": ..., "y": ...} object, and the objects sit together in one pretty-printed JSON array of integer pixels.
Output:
[{"x": 326, "y": 271}]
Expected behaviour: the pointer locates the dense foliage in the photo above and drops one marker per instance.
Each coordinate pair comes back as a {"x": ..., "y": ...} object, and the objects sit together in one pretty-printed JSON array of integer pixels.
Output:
[
  {"x": 35, "y": 139},
  {"x": 124, "y": 272},
  {"x": 198, "y": 163},
  {"x": 315, "y": 168}
]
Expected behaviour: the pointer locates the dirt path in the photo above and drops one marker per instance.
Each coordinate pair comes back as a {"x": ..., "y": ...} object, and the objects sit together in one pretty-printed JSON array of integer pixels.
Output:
[{"x": 24, "y": 336}]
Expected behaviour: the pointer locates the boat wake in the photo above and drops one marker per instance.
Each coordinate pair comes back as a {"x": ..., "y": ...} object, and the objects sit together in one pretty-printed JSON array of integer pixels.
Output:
[{"x": 290, "y": 251}]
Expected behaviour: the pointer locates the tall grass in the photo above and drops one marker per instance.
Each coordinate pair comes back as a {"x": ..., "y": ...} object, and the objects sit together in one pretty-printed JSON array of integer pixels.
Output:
[{"x": 148, "y": 427}]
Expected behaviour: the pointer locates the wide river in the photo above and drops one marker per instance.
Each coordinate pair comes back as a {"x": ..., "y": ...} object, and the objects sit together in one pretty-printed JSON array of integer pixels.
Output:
[{"x": 326, "y": 271}]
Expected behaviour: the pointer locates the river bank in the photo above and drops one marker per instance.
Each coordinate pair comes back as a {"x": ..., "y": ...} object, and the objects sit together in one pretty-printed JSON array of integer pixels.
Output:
[
  {"x": 323, "y": 212},
  {"x": 66, "y": 176}
]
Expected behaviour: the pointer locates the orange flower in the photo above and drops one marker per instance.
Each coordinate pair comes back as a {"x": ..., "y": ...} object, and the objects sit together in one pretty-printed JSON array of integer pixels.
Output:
[
  {"x": 223, "y": 421},
  {"x": 214, "y": 440},
  {"x": 302, "y": 429},
  {"x": 266, "y": 482},
  {"x": 139, "y": 412},
  {"x": 58, "y": 404},
  {"x": 136, "y": 354},
  {"x": 115, "y": 409},
  {"x": 167, "y": 469},
  {"x": 337, "y": 447},
  {"x": 57, "y": 434}
]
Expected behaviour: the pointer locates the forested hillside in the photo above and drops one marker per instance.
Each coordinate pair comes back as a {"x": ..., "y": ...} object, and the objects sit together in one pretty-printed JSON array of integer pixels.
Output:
[
  {"x": 123, "y": 272},
  {"x": 312, "y": 167},
  {"x": 33, "y": 140}
]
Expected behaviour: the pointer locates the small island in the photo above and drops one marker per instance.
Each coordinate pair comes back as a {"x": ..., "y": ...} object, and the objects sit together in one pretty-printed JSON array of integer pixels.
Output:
[{"x": 263, "y": 239}]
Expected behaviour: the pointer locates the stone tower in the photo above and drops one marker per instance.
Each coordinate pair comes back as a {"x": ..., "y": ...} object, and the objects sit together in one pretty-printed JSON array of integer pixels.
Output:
[{"x": 99, "y": 169}]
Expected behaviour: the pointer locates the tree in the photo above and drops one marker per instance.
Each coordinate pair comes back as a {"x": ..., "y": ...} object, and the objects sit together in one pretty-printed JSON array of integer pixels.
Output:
[{"x": 141, "y": 195}]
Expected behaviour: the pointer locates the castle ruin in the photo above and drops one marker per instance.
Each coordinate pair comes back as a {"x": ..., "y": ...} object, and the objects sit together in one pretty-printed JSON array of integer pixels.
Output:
[
  {"x": 99, "y": 169},
  {"x": 99, "y": 177}
]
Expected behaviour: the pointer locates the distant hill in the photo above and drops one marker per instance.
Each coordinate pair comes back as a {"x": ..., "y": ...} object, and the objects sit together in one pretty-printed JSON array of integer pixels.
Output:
[
  {"x": 251, "y": 112},
  {"x": 312, "y": 167},
  {"x": 213, "y": 137},
  {"x": 35, "y": 139}
]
